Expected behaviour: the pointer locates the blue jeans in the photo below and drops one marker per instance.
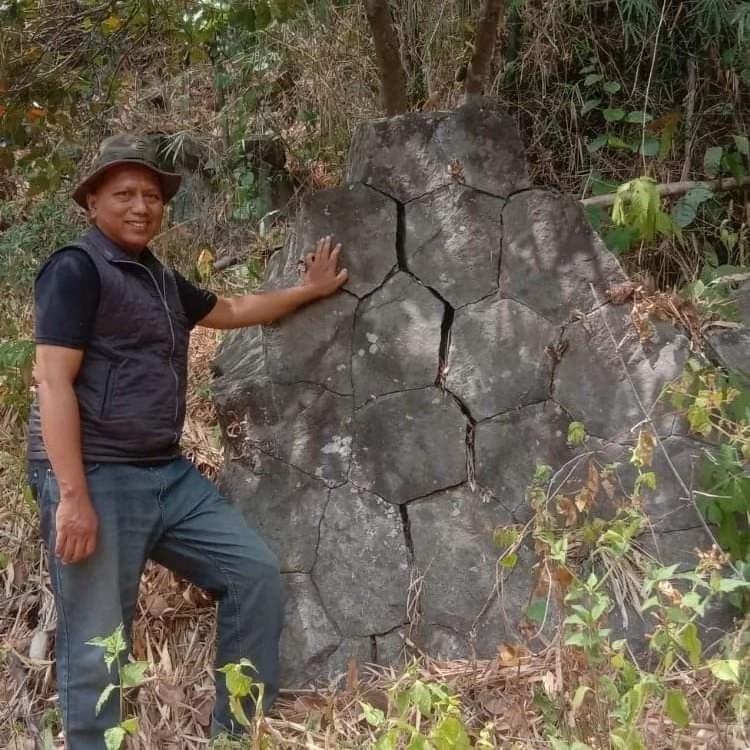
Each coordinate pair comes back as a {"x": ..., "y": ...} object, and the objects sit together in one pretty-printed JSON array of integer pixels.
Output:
[{"x": 173, "y": 515}]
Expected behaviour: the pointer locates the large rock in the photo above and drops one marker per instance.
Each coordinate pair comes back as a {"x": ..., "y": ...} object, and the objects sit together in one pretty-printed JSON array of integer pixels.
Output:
[
  {"x": 546, "y": 237},
  {"x": 426, "y": 453},
  {"x": 378, "y": 438},
  {"x": 498, "y": 358},
  {"x": 396, "y": 339},
  {"x": 453, "y": 241},
  {"x": 407, "y": 157},
  {"x": 732, "y": 346}
]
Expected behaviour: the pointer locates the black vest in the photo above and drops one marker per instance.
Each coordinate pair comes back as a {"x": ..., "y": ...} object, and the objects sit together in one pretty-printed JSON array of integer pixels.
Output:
[{"x": 132, "y": 382}]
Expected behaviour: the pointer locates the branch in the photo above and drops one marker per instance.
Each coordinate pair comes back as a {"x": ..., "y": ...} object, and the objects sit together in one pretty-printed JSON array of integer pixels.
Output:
[
  {"x": 674, "y": 188},
  {"x": 484, "y": 47},
  {"x": 390, "y": 66}
]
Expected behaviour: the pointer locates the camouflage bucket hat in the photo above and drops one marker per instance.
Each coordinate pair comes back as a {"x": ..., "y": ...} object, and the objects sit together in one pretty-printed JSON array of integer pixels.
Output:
[{"x": 128, "y": 149}]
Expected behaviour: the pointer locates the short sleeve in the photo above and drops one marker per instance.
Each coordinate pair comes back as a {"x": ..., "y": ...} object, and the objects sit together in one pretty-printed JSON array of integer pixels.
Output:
[
  {"x": 66, "y": 298},
  {"x": 196, "y": 302}
]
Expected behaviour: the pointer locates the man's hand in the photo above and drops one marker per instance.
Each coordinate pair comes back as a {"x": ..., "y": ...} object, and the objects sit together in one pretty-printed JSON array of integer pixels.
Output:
[
  {"x": 76, "y": 525},
  {"x": 322, "y": 268}
]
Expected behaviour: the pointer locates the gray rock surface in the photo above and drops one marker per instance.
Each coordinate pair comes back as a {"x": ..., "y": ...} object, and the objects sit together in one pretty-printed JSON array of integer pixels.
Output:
[
  {"x": 362, "y": 570},
  {"x": 552, "y": 258},
  {"x": 427, "y": 454},
  {"x": 497, "y": 357},
  {"x": 732, "y": 346},
  {"x": 396, "y": 343},
  {"x": 453, "y": 241},
  {"x": 407, "y": 157},
  {"x": 379, "y": 437}
]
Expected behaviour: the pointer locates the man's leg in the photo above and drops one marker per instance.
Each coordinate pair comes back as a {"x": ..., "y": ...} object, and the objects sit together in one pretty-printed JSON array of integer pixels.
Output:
[
  {"x": 207, "y": 541},
  {"x": 96, "y": 595}
]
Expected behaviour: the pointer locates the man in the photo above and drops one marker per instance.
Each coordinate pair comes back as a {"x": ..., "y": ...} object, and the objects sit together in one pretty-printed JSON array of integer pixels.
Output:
[{"x": 112, "y": 329}]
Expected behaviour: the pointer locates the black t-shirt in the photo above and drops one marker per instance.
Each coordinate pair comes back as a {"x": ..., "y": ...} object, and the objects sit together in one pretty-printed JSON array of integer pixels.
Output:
[{"x": 66, "y": 297}]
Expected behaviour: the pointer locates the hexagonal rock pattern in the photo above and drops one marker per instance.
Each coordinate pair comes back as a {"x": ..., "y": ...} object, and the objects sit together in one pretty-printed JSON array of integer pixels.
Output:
[
  {"x": 426, "y": 455},
  {"x": 362, "y": 570},
  {"x": 363, "y": 220},
  {"x": 609, "y": 380},
  {"x": 453, "y": 241},
  {"x": 376, "y": 438},
  {"x": 409, "y": 156},
  {"x": 396, "y": 339},
  {"x": 508, "y": 448},
  {"x": 497, "y": 357},
  {"x": 453, "y": 550},
  {"x": 547, "y": 237}
]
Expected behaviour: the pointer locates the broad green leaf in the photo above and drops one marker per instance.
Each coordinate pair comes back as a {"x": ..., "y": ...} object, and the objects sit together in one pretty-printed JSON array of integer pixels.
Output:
[
  {"x": 373, "y": 716},
  {"x": 592, "y": 78},
  {"x": 130, "y": 725},
  {"x": 580, "y": 696},
  {"x": 614, "y": 114},
  {"x": 597, "y": 143},
  {"x": 113, "y": 738},
  {"x": 712, "y": 160},
  {"x": 638, "y": 117},
  {"x": 132, "y": 673},
  {"x": 650, "y": 146},
  {"x": 509, "y": 561},
  {"x": 589, "y": 105},
  {"x": 611, "y": 87},
  {"x": 238, "y": 711},
  {"x": 742, "y": 144},
  {"x": 676, "y": 708},
  {"x": 388, "y": 741},
  {"x": 576, "y": 433},
  {"x": 103, "y": 697},
  {"x": 418, "y": 742},
  {"x": 449, "y": 734},
  {"x": 537, "y": 611},
  {"x": 691, "y": 643},
  {"x": 726, "y": 670},
  {"x": 619, "y": 240},
  {"x": 614, "y": 141}
]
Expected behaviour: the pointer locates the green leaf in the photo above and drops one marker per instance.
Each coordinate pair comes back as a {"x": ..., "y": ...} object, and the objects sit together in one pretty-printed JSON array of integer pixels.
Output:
[
  {"x": 589, "y": 105},
  {"x": 132, "y": 673},
  {"x": 418, "y": 742},
  {"x": 614, "y": 141},
  {"x": 712, "y": 160},
  {"x": 596, "y": 143},
  {"x": 449, "y": 734},
  {"x": 614, "y": 114},
  {"x": 576, "y": 433},
  {"x": 580, "y": 696},
  {"x": 638, "y": 117},
  {"x": 620, "y": 239},
  {"x": 691, "y": 643},
  {"x": 726, "y": 670},
  {"x": 537, "y": 611},
  {"x": 650, "y": 146},
  {"x": 130, "y": 725},
  {"x": 373, "y": 716},
  {"x": 592, "y": 78},
  {"x": 611, "y": 87},
  {"x": 114, "y": 737},
  {"x": 685, "y": 210},
  {"x": 509, "y": 561},
  {"x": 103, "y": 697},
  {"x": 388, "y": 741},
  {"x": 742, "y": 144},
  {"x": 676, "y": 708},
  {"x": 238, "y": 711}
]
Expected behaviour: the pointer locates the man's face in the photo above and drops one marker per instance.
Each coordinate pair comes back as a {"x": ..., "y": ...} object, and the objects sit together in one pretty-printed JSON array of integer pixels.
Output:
[{"x": 126, "y": 204}]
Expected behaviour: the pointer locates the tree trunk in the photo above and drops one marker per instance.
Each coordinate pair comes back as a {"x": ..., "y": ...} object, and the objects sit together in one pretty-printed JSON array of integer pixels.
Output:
[
  {"x": 484, "y": 47},
  {"x": 390, "y": 66}
]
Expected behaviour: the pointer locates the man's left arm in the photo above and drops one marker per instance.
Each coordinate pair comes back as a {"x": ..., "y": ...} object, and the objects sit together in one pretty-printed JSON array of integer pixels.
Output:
[{"x": 321, "y": 279}]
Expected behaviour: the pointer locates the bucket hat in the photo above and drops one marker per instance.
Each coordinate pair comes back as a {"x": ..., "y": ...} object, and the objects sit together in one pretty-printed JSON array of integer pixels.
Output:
[{"x": 127, "y": 148}]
